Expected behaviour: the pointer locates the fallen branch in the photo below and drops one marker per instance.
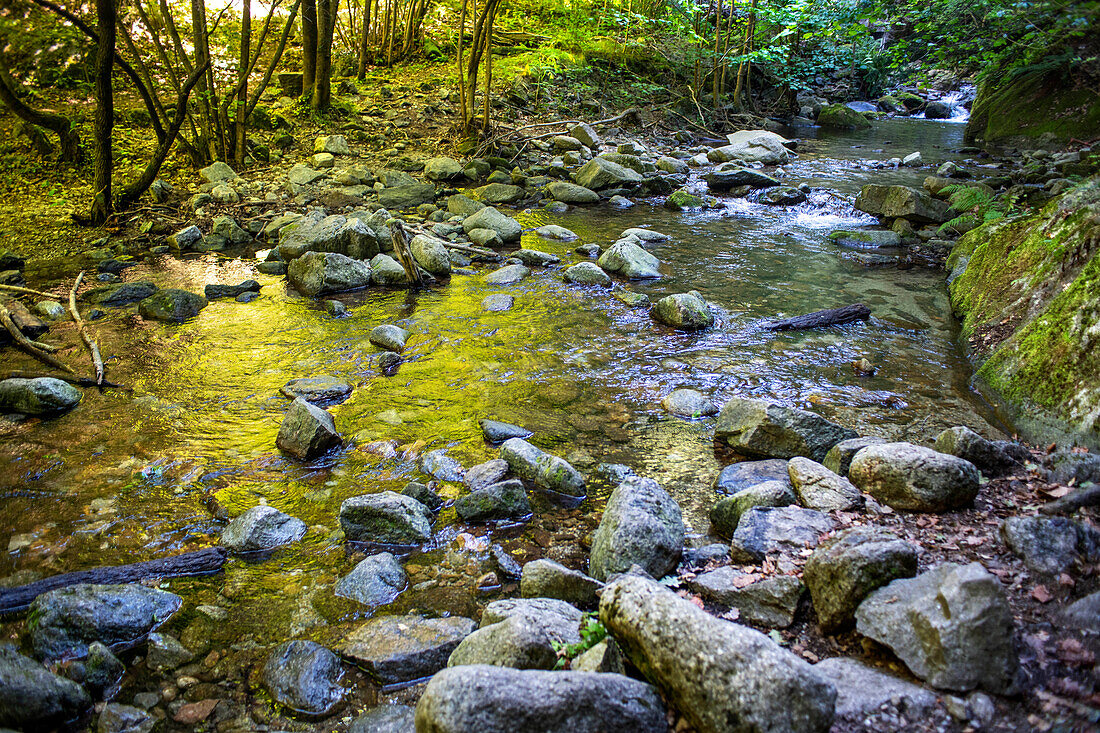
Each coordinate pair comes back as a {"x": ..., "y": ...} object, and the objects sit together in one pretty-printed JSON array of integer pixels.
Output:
[
  {"x": 77, "y": 380},
  {"x": 820, "y": 319},
  {"x": 25, "y": 291},
  {"x": 27, "y": 345},
  {"x": 1071, "y": 502},
  {"x": 404, "y": 253},
  {"x": 93, "y": 347},
  {"x": 200, "y": 562}
]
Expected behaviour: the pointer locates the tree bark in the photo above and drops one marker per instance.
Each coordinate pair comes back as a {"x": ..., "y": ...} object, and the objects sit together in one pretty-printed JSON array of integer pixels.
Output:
[
  {"x": 102, "y": 205},
  {"x": 309, "y": 44},
  {"x": 241, "y": 118},
  {"x": 364, "y": 40},
  {"x": 326, "y": 27},
  {"x": 820, "y": 319},
  {"x": 60, "y": 126}
]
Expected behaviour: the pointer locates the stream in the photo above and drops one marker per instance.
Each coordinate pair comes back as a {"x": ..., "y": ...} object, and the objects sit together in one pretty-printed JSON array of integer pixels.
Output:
[{"x": 128, "y": 477}]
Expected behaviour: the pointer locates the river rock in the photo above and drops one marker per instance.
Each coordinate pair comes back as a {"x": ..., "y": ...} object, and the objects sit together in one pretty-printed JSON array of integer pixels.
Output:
[
  {"x": 498, "y": 432},
  {"x": 629, "y": 260},
  {"x": 535, "y": 258},
  {"x": 335, "y": 144},
  {"x": 742, "y": 475},
  {"x": 724, "y": 178},
  {"x": 952, "y": 626},
  {"x": 374, "y": 581},
  {"x": 752, "y": 146},
  {"x": 542, "y": 469},
  {"x": 389, "y": 337},
  {"x": 726, "y": 514},
  {"x": 507, "y": 275},
  {"x": 386, "y": 518},
  {"x": 304, "y": 676},
  {"x": 766, "y": 430},
  {"x": 769, "y": 602},
  {"x": 964, "y": 443},
  {"x": 117, "y": 296},
  {"x": 307, "y": 431},
  {"x": 1047, "y": 545},
  {"x": 937, "y": 111},
  {"x": 571, "y": 193},
  {"x": 321, "y": 273},
  {"x": 262, "y": 528},
  {"x": 689, "y": 403},
  {"x": 913, "y": 478},
  {"x": 164, "y": 653},
  {"x": 507, "y": 228},
  {"x": 172, "y": 305},
  {"x": 548, "y": 579},
  {"x": 603, "y": 657},
  {"x": 68, "y": 619},
  {"x": 684, "y": 311},
  {"x": 486, "y": 474},
  {"x": 396, "y": 649},
  {"x": 323, "y": 389},
  {"x": 844, "y": 569},
  {"x": 116, "y": 718},
  {"x": 32, "y": 697},
  {"x": 316, "y": 232},
  {"x": 720, "y": 675},
  {"x": 586, "y": 273},
  {"x": 214, "y": 290},
  {"x": 386, "y": 271},
  {"x": 406, "y": 196},
  {"x": 866, "y": 238},
  {"x": 442, "y": 169},
  {"x": 839, "y": 458},
  {"x": 819, "y": 488},
  {"x": 600, "y": 173},
  {"x": 901, "y": 202},
  {"x": 499, "y": 700},
  {"x": 102, "y": 670},
  {"x": 861, "y": 691},
  {"x": 386, "y": 719},
  {"x": 553, "y": 231},
  {"x": 764, "y": 531},
  {"x": 424, "y": 495},
  {"x": 842, "y": 117},
  {"x": 38, "y": 396},
  {"x": 641, "y": 525},
  {"x": 430, "y": 254},
  {"x": 1084, "y": 614},
  {"x": 520, "y": 634},
  {"x": 783, "y": 196},
  {"x": 217, "y": 172},
  {"x": 499, "y": 501}
]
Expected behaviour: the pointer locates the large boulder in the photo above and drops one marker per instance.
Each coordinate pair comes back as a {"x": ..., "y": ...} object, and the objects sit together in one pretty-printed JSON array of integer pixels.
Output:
[
  {"x": 844, "y": 569},
  {"x": 913, "y": 478},
  {"x": 720, "y": 675},
  {"x": 430, "y": 254},
  {"x": 819, "y": 488},
  {"x": 38, "y": 396},
  {"x": 952, "y": 626},
  {"x": 842, "y": 117},
  {"x": 315, "y": 232},
  {"x": 321, "y": 273},
  {"x": 892, "y": 202},
  {"x": 765, "y": 530},
  {"x": 32, "y": 697},
  {"x": 629, "y": 260},
  {"x": 641, "y": 525},
  {"x": 505, "y": 500},
  {"x": 541, "y": 468},
  {"x": 172, "y": 305},
  {"x": 500, "y": 193},
  {"x": 507, "y": 228},
  {"x": 769, "y": 602},
  {"x": 307, "y": 431},
  {"x": 724, "y": 178},
  {"x": 375, "y": 581},
  {"x": 523, "y": 633},
  {"x": 839, "y": 458},
  {"x": 760, "y": 429},
  {"x": 499, "y": 700},
  {"x": 601, "y": 173},
  {"x": 752, "y": 146},
  {"x": 571, "y": 193},
  {"x": 726, "y": 514},
  {"x": 397, "y": 649},
  {"x": 549, "y": 579},
  {"x": 386, "y": 271},
  {"x": 386, "y": 518},
  {"x": 738, "y": 476},
  {"x": 68, "y": 620},
  {"x": 960, "y": 441},
  {"x": 262, "y": 528},
  {"x": 304, "y": 676},
  {"x": 684, "y": 311},
  {"x": 862, "y": 691},
  {"x": 442, "y": 169}
]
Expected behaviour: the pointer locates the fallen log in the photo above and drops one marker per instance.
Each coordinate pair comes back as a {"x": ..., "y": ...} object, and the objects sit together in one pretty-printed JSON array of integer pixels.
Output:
[
  {"x": 200, "y": 562},
  {"x": 820, "y": 319},
  {"x": 1071, "y": 502}
]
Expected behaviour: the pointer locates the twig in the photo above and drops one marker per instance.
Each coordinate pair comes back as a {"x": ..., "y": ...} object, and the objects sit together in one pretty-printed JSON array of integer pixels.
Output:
[
  {"x": 27, "y": 345},
  {"x": 26, "y": 291},
  {"x": 93, "y": 347}
]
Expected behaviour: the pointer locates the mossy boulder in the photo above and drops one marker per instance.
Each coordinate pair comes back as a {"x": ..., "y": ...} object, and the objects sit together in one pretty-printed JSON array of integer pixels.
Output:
[
  {"x": 1016, "y": 107},
  {"x": 841, "y": 117},
  {"x": 1027, "y": 290}
]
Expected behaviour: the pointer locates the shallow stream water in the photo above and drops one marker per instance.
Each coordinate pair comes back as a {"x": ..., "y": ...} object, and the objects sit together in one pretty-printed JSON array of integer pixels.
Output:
[{"x": 129, "y": 477}]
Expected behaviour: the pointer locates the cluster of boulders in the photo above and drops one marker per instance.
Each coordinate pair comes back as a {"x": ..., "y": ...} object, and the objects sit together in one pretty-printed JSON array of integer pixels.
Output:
[{"x": 855, "y": 115}]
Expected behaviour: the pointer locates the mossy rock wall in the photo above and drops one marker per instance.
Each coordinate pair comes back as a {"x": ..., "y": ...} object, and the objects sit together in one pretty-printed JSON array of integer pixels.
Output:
[
  {"x": 1028, "y": 290},
  {"x": 1019, "y": 108}
]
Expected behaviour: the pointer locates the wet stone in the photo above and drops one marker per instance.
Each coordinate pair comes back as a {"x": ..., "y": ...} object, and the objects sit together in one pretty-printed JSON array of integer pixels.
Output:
[
  {"x": 771, "y": 602},
  {"x": 376, "y": 581},
  {"x": 320, "y": 390},
  {"x": 386, "y": 719},
  {"x": 304, "y": 676},
  {"x": 424, "y": 495},
  {"x": 543, "y": 469},
  {"x": 33, "y": 697},
  {"x": 395, "y": 649},
  {"x": 500, "y": 501},
  {"x": 307, "y": 431},
  {"x": 439, "y": 465},
  {"x": 386, "y": 518},
  {"x": 641, "y": 525},
  {"x": 689, "y": 403},
  {"x": 497, "y": 302},
  {"x": 485, "y": 474},
  {"x": 548, "y": 579},
  {"x": 839, "y": 458},
  {"x": 117, "y": 718},
  {"x": 498, "y": 432},
  {"x": 726, "y": 514},
  {"x": 262, "y": 528},
  {"x": 389, "y": 337},
  {"x": 749, "y": 473}
]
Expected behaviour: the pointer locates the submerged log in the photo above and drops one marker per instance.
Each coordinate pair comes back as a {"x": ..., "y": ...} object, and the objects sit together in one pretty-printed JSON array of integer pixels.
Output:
[
  {"x": 200, "y": 562},
  {"x": 819, "y": 319}
]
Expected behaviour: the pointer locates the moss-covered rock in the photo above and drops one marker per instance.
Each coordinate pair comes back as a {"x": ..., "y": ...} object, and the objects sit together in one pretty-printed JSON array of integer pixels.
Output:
[
  {"x": 1028, "y": 289},
  {"x": 1017, "y": 107},
  {"x": 841, "y": 117}
]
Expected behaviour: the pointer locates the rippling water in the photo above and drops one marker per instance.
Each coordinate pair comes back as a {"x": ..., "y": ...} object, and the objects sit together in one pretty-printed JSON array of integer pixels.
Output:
[{"x": 125, "y": 477}]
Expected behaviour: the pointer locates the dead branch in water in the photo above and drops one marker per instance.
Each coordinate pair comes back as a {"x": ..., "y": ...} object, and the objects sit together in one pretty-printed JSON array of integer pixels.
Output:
[
  {"x": 93, "y": 346},
  {"x": 27, "y": 345}
]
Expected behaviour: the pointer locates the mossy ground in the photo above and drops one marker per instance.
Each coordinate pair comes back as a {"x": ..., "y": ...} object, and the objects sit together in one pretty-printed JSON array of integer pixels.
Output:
[{"x": 1033, "y": 104}]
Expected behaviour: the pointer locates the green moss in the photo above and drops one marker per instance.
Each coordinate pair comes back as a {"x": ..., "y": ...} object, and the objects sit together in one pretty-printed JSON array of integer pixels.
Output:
[{"x": 1032, "y": 104}]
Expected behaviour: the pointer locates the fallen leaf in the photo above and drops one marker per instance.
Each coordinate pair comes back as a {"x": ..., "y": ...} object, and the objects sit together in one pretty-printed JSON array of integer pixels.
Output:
[
  {"x": 1058, "y": 491},
  {"x": 1041, "y": 594}
]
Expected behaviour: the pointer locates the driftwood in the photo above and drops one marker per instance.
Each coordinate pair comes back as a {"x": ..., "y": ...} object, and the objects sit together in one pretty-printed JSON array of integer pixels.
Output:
[
  {"x": 93, "y": 347},
  {"x": 404, "y": 254},
  {"x": 820, "y": 319},
  {"x": 25, "y": 291},
  {"x": 27, "y": 345},
  {"x": 200, "y": 562},
  {"x": 28, "y": 324},
  {"x": 1071, "y": 502}
]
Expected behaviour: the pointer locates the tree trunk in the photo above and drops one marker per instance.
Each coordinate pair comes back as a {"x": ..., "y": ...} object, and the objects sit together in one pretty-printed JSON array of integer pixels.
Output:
[
  {"x": 104, "y": 111},
  {"x": 9, "y": 97},
  {"x": 241, "y": 117},
  {"x": 309, "y": 44},
  {"x": 364, "y": 40},
  {"x": 326, "y": 27}
]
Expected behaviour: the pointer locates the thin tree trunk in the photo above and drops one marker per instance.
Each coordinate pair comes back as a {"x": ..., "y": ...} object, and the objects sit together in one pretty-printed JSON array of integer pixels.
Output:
[
  {"x": 326, "y": 27},
  {"x": 274, "y": 62},
  {"x": 61, "y": 126},
  {"x": 309, "y": 44},
  {"x": 241, "y": 118},
  {"x": 364, "y": 44},
  {"x": 102, "y": 205}
]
